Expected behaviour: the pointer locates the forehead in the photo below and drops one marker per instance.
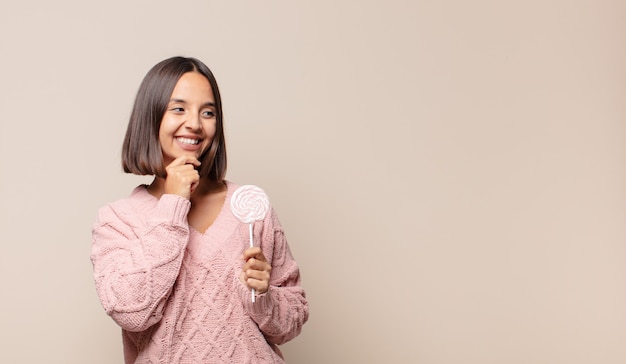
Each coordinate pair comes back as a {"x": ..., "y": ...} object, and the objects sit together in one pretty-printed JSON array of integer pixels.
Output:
[{"x": 193, "y": 86}]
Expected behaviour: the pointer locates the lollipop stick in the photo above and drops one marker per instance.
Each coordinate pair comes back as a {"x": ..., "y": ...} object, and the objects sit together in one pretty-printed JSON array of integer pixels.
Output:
[{"x": 251, "y": 245}]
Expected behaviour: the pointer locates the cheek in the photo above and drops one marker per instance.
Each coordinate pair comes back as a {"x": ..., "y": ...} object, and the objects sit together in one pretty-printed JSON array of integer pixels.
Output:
[
  {"x": 210, "y": 133},
  {"x": 207, "y": 143},
  {"x": 209, "y": 129},
  {"x": 165, "y": 128}
]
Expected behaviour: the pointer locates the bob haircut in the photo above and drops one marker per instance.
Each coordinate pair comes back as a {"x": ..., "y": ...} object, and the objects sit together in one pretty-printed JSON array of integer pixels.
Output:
[{"x": 141, "y": 151}]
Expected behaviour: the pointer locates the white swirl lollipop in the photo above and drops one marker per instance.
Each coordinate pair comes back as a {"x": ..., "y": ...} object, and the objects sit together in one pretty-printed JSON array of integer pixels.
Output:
[{"x": 249, "y": 204}]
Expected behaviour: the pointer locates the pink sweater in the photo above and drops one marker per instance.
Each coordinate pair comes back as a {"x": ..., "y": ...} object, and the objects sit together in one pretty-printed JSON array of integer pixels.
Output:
[{"x": 176, "y": 292}]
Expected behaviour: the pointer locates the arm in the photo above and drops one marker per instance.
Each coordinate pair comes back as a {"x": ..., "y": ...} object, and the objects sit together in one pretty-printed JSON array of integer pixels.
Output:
[
  {"x": 137, "y": 262},
  {"x": 283, "y": 309}
]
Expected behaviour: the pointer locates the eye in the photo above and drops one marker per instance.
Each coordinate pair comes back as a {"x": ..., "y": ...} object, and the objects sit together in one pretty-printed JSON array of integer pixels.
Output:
[
  {"x": 178, "y": 110},
  {"x": 208, "y": 114}
]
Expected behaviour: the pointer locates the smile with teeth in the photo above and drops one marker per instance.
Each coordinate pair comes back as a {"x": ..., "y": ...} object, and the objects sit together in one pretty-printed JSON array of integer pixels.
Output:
[{"x": 188, "y": 140}]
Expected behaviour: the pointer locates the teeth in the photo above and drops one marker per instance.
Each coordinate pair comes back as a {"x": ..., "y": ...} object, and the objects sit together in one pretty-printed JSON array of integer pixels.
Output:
[{"x": 188, "y": 141}]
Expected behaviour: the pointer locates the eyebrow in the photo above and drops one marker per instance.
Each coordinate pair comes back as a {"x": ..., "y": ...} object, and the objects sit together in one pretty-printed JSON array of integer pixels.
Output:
[{"x": 184, "y": 102}]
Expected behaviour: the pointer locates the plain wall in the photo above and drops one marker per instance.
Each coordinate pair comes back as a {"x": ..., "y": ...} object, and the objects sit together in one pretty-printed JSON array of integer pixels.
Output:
[{"x": 451, "y": 174}]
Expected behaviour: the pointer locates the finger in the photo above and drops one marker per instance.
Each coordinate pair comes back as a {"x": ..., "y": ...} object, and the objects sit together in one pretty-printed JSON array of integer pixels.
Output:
[
  {"x": 255, "y": 264},
  {"x": 185, "y": 159},
  {"x": 194, "y": 185},
  {"x": 258, "y": 275},
  {"x": 259, "y": 283},
  {"x": 254, "y": 252},
  {"x": 181, "y": 180},
  {"x": 182, "y": 177},
  {"x": 185, "y": 173},
  {"x": 185, "y": 170},
  {"x": 254, "y": 276}
]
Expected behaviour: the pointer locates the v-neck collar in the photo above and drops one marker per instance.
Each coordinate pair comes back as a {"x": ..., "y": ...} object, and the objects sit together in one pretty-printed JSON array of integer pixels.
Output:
[{"x": 224, "y": 220}]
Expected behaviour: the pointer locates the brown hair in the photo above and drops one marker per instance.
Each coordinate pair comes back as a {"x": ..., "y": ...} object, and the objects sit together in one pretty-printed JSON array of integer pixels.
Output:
[{"x": 141, "y": 151}]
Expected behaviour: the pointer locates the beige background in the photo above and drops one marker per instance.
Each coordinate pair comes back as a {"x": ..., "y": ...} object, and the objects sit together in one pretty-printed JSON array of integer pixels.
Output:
[{"x": 451, "y": 174}]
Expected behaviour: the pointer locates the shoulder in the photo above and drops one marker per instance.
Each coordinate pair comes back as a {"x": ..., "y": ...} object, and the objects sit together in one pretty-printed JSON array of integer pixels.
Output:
[{"x": 137, "y": 202}]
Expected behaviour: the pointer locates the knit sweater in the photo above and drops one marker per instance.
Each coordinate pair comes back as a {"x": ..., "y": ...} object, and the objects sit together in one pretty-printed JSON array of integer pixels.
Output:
[{"x": 176, "y": 292}]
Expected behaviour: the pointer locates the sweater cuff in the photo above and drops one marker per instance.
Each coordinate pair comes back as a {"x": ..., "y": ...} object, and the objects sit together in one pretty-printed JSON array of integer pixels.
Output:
[
  {"x": 174, "y": 209},
  {"x": 262, "y": 305}
]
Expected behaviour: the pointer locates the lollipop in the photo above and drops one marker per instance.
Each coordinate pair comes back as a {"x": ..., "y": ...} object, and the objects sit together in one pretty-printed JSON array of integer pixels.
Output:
[{"x": 249, "y": 203}]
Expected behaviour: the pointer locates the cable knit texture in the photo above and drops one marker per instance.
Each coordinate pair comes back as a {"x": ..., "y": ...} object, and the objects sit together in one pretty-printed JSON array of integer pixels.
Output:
[{"x": 176, "y": 292}]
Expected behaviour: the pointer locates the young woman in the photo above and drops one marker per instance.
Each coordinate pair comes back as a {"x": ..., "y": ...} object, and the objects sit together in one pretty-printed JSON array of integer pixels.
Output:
[{"x": 172, "y": 264}]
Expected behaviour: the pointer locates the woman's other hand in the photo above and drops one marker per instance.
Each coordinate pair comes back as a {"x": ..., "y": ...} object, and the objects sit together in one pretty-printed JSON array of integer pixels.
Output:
[{"x": 256, "y": 271}]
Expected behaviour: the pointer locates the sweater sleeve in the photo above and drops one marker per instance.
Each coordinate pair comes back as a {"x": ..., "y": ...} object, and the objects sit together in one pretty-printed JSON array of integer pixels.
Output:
[
  {"x": 280, "y": 312},
  {"x": 136, "y": 261}
]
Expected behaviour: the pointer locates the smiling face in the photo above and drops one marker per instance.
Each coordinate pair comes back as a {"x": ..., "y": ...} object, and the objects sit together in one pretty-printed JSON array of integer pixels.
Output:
[{"x": 189, "y": 123}]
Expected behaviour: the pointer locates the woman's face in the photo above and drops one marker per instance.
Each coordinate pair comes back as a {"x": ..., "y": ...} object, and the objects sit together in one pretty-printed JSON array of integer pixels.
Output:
[{"x": 189, "y": 123}]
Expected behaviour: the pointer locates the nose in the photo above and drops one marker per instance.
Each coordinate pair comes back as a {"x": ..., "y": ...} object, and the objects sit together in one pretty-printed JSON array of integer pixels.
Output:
[{"x": 193, "y": 121}]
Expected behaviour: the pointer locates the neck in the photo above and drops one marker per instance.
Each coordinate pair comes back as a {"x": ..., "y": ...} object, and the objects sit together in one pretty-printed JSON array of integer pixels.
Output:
[{"x": 207, "y": 186}]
